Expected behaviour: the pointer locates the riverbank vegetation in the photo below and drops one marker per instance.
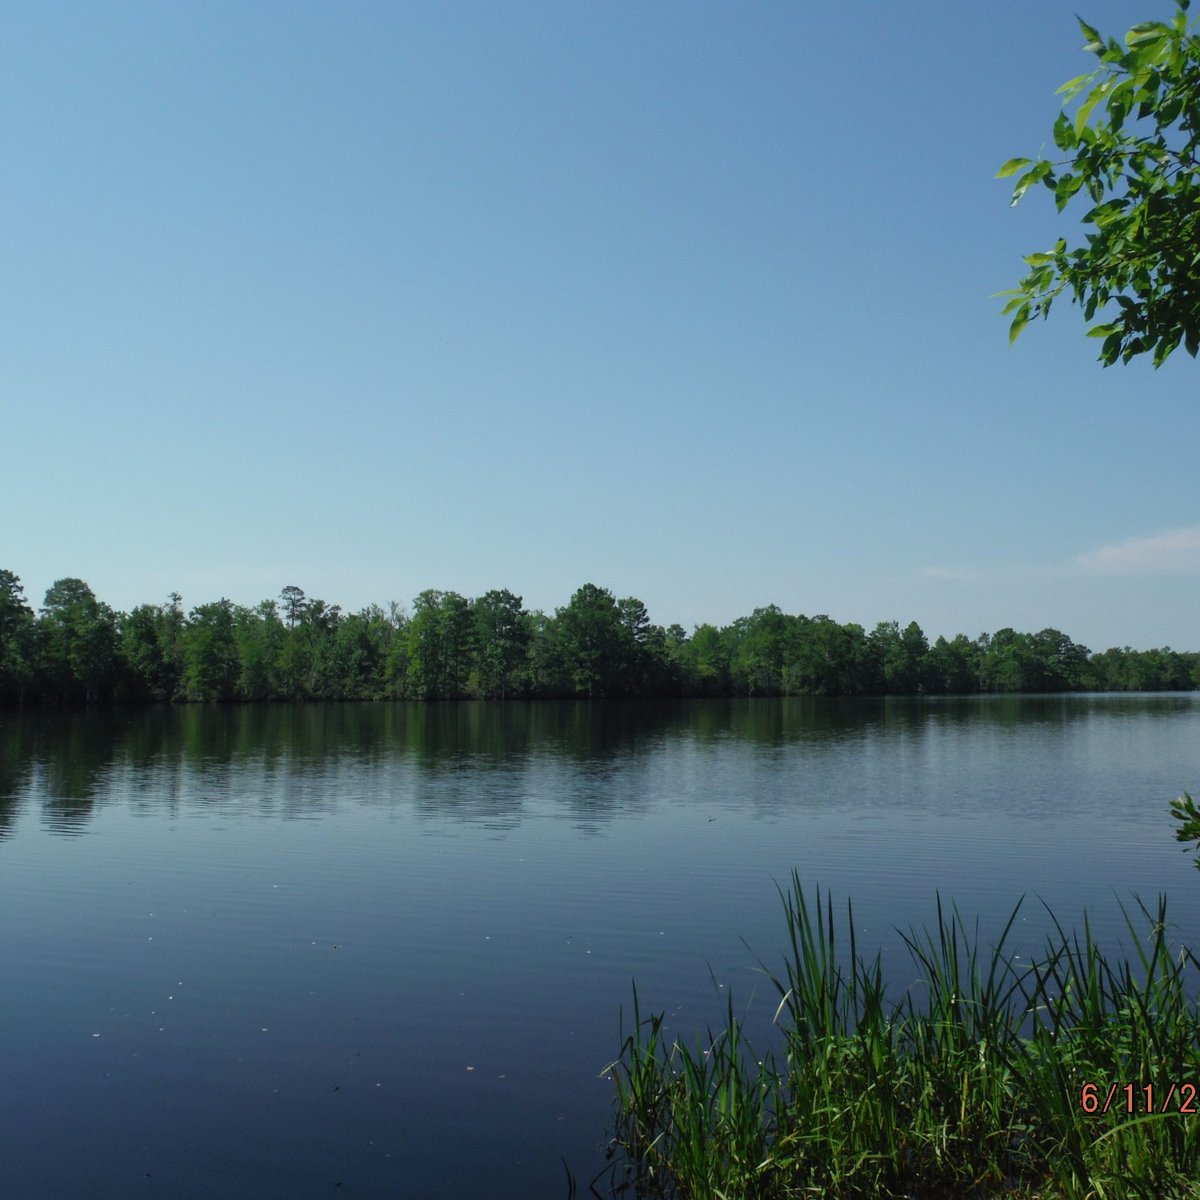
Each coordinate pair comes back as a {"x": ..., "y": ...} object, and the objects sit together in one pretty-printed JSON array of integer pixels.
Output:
[
  {"x": 77, "y": 649},
  {"x": 1001, "y": 1079}
]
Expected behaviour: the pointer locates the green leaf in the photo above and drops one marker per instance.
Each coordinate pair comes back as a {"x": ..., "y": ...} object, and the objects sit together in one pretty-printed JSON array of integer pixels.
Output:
[
  {"x": 1093, "y": 43},
  {"x": 1106, "y": 213},
  {"x": 1169, "y": 113},
  {"x": 1064, "y": 135},
  {"x": 1012, "y": 167},
  {"x": 1040, "y": 171},
  {"x": 1065, "y": 188},
  {"x": 1139, "y": 247},
  {"x": 1085, "y": 109},
  {"x": 1073, "y": 87},
  {"x": 1021, "y": 187},
  {"x": 1018, "y": 323},
  {"x": 1147, "y": 32}
]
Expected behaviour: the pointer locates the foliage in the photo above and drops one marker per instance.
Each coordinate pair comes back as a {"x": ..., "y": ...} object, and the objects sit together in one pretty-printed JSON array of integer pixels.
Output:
[
  {"x": 78, "y": 642},
  {"x": 151, "y": 643},
  {"x": 593, "y": 642},
  {"x": 261, "y": 638},
  {"x": 1184, "y": 811},
  {"x": 439, "y": 641},
  {"x": 978, "y": 1089},
  {"x": 502, "y": 632},
  {"x": 210, "y": 653},
  {"x": 18, "y": 633},
  {"x": 363, "y": 642},
  {"x": 1133, "y": 147},
  {"x": 490, "y": 647}
]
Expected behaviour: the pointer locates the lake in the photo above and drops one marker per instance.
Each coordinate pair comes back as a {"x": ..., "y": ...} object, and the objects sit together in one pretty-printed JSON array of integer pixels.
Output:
[{"x": 381, "y": 950}]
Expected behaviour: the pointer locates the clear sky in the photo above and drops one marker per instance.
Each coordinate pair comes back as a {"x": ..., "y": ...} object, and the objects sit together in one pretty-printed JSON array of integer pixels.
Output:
[{"x": 690, "y": 300}]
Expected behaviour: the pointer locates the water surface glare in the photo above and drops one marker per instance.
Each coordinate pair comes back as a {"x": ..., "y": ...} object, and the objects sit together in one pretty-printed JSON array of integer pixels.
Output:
[{"x": 381, "y": 950}]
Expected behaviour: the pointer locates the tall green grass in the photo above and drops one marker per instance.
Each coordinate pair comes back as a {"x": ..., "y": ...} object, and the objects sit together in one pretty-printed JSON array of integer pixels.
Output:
[{"x": 974, "y": 1090}]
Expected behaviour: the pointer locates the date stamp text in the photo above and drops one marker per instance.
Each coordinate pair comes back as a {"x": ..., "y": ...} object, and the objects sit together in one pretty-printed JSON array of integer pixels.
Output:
[{"x": 1144, "y": 1098}]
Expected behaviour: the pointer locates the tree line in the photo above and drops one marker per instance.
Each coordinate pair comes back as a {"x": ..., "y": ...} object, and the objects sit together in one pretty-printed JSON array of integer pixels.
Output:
[{"x": 76, "y": 650}]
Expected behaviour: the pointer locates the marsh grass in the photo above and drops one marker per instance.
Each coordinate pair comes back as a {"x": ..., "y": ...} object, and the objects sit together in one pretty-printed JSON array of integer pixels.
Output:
[{"x": 974, "y": 1091}]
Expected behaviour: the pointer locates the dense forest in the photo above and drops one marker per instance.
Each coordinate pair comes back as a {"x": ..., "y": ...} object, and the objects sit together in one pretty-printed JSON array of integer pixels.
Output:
[{"x": 77, "y": 650}]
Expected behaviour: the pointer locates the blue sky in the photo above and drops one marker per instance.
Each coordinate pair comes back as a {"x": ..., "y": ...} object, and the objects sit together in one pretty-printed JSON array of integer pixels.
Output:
[{"x": 690, "y": 300}]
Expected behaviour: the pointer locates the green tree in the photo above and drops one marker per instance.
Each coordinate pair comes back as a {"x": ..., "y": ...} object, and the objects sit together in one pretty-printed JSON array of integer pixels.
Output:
[
  {"x": 260, "y": 636},
  {"x": 1062, "y": 662},
  {"x": 324, "y": 673},
  {"x": 706, "y": 661},
  {"x": 363, "y": 641},
  {"x": 294, "y": 603},
  {"x": 825, "y": 658},
  {"x": 1137, "y": 161},
  {"x": 18, "y": 639},
  {"x": 914, "y": 649},
  {"x": 211, "y": 665},
  {"x": 150, "y": 638},
  {"x": 547, "y": 668},
  {"x": 645, "y": 669},
  {"x": 396, "y": 665},
  {"x": 592, "y": 638},
  {"x": 953, "y": 666},
  {"x": 439, "y": 643},
  {"x": 900, "y": 655},
  {"x": 502, "y": 632},
  {"x": 1011, "y": 664},
  {"x": 79, "y": 636},
  {"x": 675, "y": 659},
  {"x": 294, "y": 655},
  {"x": 758, "y": 645}
]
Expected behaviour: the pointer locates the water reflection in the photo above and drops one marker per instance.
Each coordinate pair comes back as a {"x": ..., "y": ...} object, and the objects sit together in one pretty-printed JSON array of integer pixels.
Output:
[
  {"x": 496, "y": 763},
  {"x": 16, "y": 758},
  {"x": 319, "y": 935}
]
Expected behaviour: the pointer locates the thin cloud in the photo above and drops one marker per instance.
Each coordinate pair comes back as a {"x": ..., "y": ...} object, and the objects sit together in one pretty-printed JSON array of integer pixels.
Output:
[{"x": 1176, "y": 552}]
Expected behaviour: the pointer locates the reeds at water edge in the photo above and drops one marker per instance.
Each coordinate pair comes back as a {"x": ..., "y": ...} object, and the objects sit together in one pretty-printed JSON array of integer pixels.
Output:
[{"x": 1007, "y": 1079}]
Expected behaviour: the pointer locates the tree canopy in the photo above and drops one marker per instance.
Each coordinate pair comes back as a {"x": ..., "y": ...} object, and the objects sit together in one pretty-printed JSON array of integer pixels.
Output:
[
  {"x": 78, "y": 650},
  {"x": 1131, "y": 147}
]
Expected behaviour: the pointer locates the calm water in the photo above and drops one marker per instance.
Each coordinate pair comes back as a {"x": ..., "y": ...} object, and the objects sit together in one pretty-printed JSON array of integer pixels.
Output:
[{"x": 381, "y": 950}]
